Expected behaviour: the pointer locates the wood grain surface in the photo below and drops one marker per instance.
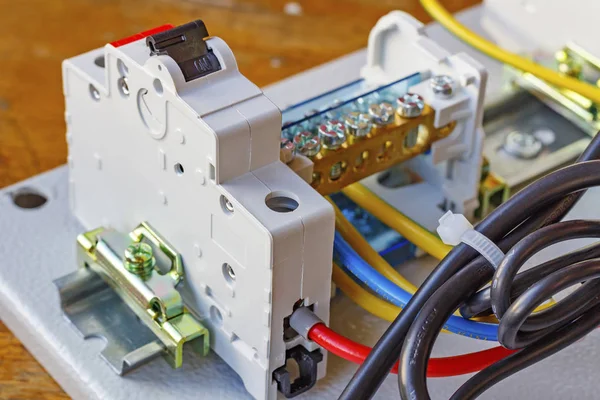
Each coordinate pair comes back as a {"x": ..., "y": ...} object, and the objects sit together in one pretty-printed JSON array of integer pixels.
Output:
[{"x": 271, "y": 39}]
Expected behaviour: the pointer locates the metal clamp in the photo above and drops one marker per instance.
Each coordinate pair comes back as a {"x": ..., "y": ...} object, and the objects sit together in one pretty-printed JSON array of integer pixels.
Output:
[{"x": 127, "y": 265}]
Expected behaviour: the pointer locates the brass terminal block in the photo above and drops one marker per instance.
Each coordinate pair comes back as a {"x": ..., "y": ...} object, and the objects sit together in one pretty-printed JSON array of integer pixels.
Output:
[{"x": 384, "y": 146}]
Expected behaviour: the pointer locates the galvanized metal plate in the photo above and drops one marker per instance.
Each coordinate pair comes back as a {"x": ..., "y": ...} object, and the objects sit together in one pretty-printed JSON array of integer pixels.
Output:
[
  {"x": 37, "y": 246},
  {"x": 96, "y": 311}
]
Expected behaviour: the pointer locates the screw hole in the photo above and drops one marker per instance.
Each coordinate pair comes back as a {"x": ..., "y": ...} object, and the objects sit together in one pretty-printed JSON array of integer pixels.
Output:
[
  {"x": 160, "y": 67},
  {"x": 216, "y": 316},
  {"x": 228, "y": 274},
  {"x": 28, "y": 199},
  {"x": 179, "y": 170},
  {"x": 123, "y": 86},
  {"x": 100, "y": 61},
  {"x": 155, "y": 307},
  {"x": 158, "y": 86},
  {"x": 94, "y": 92},
  {"x": 281, "y": 202},
  {"x": 226, "y": 205}
]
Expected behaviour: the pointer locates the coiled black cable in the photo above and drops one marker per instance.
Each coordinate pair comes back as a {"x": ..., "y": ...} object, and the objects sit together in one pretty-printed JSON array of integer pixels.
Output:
[
  {"x": 530, "y": 355},
  {"x": 481, "y": 303},
  {"x": 540, "y": 204},
  {"x": 516, "y": 330},
  {"x": 566, "y": 313}
]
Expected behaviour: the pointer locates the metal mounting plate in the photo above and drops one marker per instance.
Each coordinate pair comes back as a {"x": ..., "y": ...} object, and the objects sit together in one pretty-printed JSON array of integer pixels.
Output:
[{"x": 37, "y": 246}]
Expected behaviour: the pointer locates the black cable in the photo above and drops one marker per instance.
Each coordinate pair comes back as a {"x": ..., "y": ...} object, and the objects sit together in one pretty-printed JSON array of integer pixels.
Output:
[
  {"x": 427, "y": 325},
  {"x": 530, "y": 355},
  {"x": 515, "y": 316},
  {"x": 412, "y": 380},
  {"x": 542, "y": 203},
  {"x": 526, "y": 248},
  {"x": 480, "y": 304}
]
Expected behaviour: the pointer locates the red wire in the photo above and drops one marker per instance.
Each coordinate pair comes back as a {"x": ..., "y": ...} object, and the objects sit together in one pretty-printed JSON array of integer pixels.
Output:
[{"x": 436, "y": 368}]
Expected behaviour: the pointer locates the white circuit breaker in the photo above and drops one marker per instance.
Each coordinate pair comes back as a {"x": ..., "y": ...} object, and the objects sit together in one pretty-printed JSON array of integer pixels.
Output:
[
  {"x": 198, "y": 158},
  {"x": 166, "y": 130}
]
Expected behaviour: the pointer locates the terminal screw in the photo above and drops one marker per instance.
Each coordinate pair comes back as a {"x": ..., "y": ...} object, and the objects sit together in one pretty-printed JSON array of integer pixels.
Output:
[
  {"x": 357, "y": 124},
  {"x": 139, "y": 260},
  {"x": 410, "y": 106},
  {"x": 307, "y": 143},
  {"x": 381, "y": 113},
  {"x": 287, "y": 150},
  {"x": 442, "y": 86},
  {"x": 332, "y": 134}
]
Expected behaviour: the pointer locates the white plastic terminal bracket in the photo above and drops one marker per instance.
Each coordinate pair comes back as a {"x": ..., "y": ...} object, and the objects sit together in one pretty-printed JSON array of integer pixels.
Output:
[
  {"x": 398, "y": 47},
  {"x": 455, "y": 228}
]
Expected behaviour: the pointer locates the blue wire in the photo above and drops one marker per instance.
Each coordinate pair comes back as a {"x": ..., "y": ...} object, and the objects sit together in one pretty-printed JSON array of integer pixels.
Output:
[{"x": 386, "y": 289}]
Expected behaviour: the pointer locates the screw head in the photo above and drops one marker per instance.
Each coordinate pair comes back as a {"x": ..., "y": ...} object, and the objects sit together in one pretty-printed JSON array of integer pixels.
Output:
[
  {"x": 332, "y": 134},
  {"x": 307, "y": 143},
  {"x": 442, "y": 86},
  {"x": 357, "y": 124},
  {"x": 522, "y": 145},
  {"x": 381, "y": 113},
  {"x": 410, "y": 105},
  {"x": 287, "y": 150},
  {"x": 139, "y": 259}
]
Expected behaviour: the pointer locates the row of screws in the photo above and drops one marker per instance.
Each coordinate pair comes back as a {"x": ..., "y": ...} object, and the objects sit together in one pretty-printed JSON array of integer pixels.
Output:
[{"x": 332, "y": 134}]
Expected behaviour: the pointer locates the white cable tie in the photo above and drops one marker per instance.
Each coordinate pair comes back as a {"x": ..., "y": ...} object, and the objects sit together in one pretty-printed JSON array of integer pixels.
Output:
[{"x": 455, "y": 228}]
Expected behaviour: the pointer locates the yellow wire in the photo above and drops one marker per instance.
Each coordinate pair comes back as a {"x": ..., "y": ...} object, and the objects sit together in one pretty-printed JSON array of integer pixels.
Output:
[
  {"x": 398, "y": 221},
  {"x": 440, "y": 14},
  {"x": 406, "y": 227},
  {"x": 364, "y": 299},
  {"x": 364, "y": 249}
]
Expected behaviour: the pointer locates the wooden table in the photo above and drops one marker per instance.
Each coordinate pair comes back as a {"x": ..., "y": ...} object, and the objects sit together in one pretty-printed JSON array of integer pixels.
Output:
[{"x": 271, "y": 39}]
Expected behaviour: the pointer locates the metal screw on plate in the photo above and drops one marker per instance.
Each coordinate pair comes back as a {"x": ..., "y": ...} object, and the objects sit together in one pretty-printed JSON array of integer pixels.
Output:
[
  {"x": 381, "y": 113},
  {"x": 522, "y": 145},
  {"x": 442, "y": 86},
  {"x": 139, "y": 260},
  {"x": 307, "y": 143},
  {"x": 410, "y": 105},
  {"x": 287, "y": 150},
  {"x": 357, "y": 124},
  {"x": 332, "y": 134}
]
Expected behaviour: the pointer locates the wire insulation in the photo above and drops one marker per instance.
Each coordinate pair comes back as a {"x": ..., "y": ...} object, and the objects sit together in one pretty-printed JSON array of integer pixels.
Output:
[
  {"x": 405, "y": 226},
  {"x": 437, "y": 368},
  {"x": 384, "y": 288}
]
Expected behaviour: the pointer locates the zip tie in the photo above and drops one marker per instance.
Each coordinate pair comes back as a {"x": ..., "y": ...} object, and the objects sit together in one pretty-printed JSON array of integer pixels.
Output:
[{"x": 455, "y": 228}]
